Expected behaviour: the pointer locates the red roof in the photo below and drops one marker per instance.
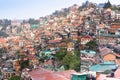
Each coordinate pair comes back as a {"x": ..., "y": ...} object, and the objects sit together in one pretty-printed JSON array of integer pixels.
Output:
[
  {"x": 86, "y": 37},
  {"x": 31, "y": 56},
  {"x": 43, "y": 74},
  {"x": 117, "y": 73},
  {"x": 2, "y": 40},
  {"x": 66, "y": 73},
  {"x": 54, "y": 41}
]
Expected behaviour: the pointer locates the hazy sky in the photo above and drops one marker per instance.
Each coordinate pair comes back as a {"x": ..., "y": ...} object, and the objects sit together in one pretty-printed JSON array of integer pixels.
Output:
[{"x": 24, "y": 9}]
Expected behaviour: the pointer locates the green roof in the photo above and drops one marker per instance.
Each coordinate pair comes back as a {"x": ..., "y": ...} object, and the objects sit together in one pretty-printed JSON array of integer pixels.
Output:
[
  {"x": 34, "y": 26},
  {"x": 103, "y": 66},
  {"x": 88, "y": 52}
]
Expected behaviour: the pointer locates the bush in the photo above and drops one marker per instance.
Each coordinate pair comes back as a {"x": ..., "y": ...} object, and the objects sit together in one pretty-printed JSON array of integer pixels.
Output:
[{"x": 15, "y": 78}]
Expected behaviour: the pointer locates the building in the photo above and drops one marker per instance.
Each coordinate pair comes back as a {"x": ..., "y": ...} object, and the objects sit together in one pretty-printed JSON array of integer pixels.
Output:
[
  {"x": 85, "y": 39},
  {"x": 70, "y": 46},
  {"x": 6, "y": 75},
  {"x": 107, "y": 54}
]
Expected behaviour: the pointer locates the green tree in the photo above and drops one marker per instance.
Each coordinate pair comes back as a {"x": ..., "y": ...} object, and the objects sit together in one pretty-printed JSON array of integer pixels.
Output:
[
  {"x": 60, "y": 54},
  {"x": 77, "y": 52},
  {"x": 24, "y": 64},
  {"x": 15, "y": 78},
  {"x": 43, "y": 58},
  {"x": 91, "y": 45},
  {"x": 71, "y": 61}
]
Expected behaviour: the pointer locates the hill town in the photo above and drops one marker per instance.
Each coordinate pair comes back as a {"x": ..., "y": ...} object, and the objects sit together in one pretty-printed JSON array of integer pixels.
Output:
[{"x": 81, "y": 42}]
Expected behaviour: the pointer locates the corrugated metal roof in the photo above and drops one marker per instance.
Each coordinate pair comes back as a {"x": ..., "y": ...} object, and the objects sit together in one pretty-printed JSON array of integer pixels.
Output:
[
  {"x": 44, "y": 74},
  {"x": 103, "y": 67},
  {"x": 34, "y": 26}
]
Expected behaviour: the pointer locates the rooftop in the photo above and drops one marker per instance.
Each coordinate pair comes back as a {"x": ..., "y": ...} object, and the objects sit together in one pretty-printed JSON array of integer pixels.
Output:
[{"x": 44, "y": 74}]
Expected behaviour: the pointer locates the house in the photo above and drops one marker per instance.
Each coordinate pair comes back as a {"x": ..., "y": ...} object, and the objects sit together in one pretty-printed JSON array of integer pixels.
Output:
[
  {"x": 85, "y": 39},
  {"x": 114, "y": 27},
  {"x": 117, "y": 73},
  {"x": 101, "y": 5},
  {"x": 3, "y": 42},
  {"x": 70, "y": 46},
  {"x": 107, "y": 54},
  {"x": 117, "y": 59},
  {"x": 33, "y": 60},
  {"x": 6, "y": 75},
  {"x": 44, "y": 74},
  {"x": 11, "y": 68},
  {"x": 115, "y": 14},
  {"x": 104, "y": 77},
  {"x": 86, "y": 62},
  {"x": 88, "y": 53},
  {"x": 117, "y": 32},
  {"x": 17, "y": 65},
  {"x": 15, "y": 23},
  {"x": 107, "y": 39},
  {"x": 103, "y": 67}
]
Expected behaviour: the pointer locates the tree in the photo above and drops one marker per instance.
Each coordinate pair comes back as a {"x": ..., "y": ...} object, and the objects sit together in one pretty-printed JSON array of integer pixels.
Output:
[
  {"x": 15, "y": 78},
  {"x": 60, "y": 54},
  {"x": 91, "y": 44},
  {"x": 78, "y": 44},
  {"x": 24, "y": 64},
  {"x": 71, "y": 61},
  {"x": 77, "y": 52},
  {"x": 43, "y": 58},
  {"x": 33, "y": 21}
]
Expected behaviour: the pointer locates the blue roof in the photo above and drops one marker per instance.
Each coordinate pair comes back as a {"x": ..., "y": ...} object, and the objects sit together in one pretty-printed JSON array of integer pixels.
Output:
[
  {"x": 88, "y": 52},
  {"x": 103, "y": 66},
  {"x": 106, "y": 63},
  {"x": 46, "y": 51},
  {"x": 101, "y": 5}
]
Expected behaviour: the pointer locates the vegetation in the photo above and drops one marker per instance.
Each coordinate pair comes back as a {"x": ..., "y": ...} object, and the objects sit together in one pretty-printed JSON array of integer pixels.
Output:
[
  {"x": 63, "y": 13},
  {"x": 71, "y": 61},
  {"x": 24, "y": 64},
  {"x": 33, "y": 21},
  {"x": 61, "y": 53},
  {"x": 91, "y": 45},
  {"x": 15, "y": 78},
  {"x": 43, "y": 58}
]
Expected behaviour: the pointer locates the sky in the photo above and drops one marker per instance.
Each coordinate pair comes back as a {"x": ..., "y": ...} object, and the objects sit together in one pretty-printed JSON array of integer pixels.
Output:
[{"x": 25, "y": 9}]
